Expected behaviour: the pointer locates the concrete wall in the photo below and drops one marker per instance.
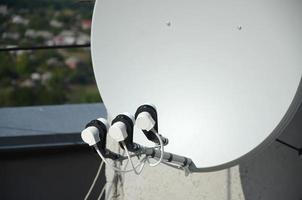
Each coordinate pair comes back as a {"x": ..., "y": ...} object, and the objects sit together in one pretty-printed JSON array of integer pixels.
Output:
[{"x": 165, "y": 183}]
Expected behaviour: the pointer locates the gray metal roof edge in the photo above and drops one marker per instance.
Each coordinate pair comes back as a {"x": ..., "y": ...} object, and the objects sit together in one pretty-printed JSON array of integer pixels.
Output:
[{"x": 45, "y": 126}]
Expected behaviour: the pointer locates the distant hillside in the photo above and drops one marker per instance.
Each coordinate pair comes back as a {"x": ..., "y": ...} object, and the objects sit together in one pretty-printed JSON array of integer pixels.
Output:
[{"x": 51, "y": 76}]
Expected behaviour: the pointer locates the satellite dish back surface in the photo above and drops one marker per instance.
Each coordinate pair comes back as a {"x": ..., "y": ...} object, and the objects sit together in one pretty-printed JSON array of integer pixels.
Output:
[{"x": 224, "y": 75}]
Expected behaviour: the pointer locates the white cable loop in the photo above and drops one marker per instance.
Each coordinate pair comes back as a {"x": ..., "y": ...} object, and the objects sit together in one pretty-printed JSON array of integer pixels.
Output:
[
  {"x": 129, "y": 158},
  {"x": 161, "y": 149}
]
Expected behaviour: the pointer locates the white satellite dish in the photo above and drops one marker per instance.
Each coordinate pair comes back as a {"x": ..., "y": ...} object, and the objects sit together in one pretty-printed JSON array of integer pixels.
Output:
[{"x": 224, "y": 75}]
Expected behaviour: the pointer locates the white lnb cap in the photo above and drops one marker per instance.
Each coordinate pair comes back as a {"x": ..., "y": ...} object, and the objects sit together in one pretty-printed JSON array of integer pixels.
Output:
[
  {"x": 118, "y": 131},
  {"x": 144, "y": 121},
  {"x": 90, "y": 135}
]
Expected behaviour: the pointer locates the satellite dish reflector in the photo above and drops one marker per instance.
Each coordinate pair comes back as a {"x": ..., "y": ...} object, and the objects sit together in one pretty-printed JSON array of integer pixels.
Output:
[{"x": 224, "y": 75}]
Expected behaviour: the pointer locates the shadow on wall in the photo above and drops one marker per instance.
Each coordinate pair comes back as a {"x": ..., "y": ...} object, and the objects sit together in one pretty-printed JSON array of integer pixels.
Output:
[{"x": 276, "y": 173}]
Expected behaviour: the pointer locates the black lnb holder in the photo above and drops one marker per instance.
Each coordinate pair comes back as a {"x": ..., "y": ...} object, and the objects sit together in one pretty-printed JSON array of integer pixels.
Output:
[
  {"x": 102, "y": 132},
  {"x": 149, "y": 134}
]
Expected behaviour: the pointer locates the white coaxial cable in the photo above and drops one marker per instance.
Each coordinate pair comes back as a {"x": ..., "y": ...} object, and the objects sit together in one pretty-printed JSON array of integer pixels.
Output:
[
  {"x": 94, "y": 181},
  {"x": 131, "y": 162},
  {"x": 161, "y": 149},
  {"x": 112, "y": 167}
]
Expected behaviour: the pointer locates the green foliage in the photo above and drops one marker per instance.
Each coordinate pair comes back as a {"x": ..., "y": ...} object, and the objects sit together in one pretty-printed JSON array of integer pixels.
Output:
[
  {"x": 64, "y": 86},
  {"x": 23, "y": 66},
  {"x": 7, "y": 67},
  {"x": 38, "y": 95}
]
